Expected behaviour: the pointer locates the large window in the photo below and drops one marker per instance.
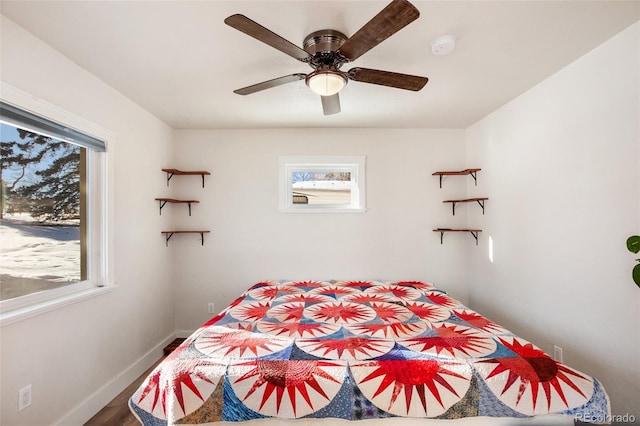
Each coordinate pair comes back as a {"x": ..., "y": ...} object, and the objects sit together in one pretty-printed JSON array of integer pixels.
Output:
[
  {"x": 322, "y": 183},
  {"x": 52, "y": 221}
]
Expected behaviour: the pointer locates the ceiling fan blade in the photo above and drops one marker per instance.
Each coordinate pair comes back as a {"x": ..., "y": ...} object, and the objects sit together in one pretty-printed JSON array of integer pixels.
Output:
[
  {"x": 397, "y": 15},
  {"x": 331, "y": 104},
  {"x": 260, "y": 33},
  {"x": 270, "y": 83},
  {"x": 387, "y": 78}
]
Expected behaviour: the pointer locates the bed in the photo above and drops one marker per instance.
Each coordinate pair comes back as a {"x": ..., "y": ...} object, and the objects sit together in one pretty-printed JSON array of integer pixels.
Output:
[{"x": 383, "y": 352}]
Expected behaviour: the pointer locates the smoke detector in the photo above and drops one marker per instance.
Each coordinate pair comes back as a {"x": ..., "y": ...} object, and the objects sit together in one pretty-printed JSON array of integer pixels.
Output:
[{"x": 443, "y": 45}]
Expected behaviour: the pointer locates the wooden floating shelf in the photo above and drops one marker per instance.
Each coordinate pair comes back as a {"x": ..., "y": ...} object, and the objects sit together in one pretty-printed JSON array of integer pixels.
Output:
[
  {"x": 164, "y": 201},
  {"x": 473, "y": 232},
  {"x": 175, "y": 172},
  {"x": 480, "y": 201},
  {"x": 169, "y": 234},
  {"x": 471, "y": 172}
]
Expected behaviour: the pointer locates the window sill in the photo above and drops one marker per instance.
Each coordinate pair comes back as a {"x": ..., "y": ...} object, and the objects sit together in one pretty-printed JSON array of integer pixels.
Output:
[{"x": 15, "y": 315}]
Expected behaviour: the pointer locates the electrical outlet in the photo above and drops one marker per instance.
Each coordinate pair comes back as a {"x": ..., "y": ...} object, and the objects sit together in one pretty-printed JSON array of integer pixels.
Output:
[
  {"x": 24, "y": 398},
  {"x": 211, "y": 308},
  {"x": 557, "y": 353}
]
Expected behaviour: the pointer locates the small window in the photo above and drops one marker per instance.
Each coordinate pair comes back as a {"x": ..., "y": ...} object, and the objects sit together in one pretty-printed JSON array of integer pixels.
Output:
[
  {"x": 52, "y": 204},
  {"x": 322, "y": 183}
]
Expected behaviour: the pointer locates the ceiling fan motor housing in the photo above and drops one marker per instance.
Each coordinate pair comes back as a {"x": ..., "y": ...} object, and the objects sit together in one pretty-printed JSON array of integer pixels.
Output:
[
  {"x": 322, "y": 46},
  {"x": 323, "y": 41}
]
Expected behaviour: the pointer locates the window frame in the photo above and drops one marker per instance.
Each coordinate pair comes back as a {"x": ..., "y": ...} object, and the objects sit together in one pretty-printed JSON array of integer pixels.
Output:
[
  {"x": 99, "y": 216},
  {"x": 355, "y": 165}
]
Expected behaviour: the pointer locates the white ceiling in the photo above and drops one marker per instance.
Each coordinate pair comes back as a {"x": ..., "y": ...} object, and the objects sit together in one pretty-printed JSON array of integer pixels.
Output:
[{"x": 178, "y": 59}]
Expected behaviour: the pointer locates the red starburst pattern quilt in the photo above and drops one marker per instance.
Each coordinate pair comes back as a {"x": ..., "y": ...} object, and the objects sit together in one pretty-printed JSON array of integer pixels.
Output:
[{"x": 357, "y": 350}]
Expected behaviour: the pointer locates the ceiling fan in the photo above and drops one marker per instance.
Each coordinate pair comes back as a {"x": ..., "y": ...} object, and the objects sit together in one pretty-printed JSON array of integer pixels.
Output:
[{"x": 327, "y": 50}]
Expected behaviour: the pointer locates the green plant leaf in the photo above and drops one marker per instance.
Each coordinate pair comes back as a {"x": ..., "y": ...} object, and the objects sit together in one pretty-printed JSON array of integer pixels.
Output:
[
  {"x": 633, "y": 243},
  {"x": 636, "y": 275}
]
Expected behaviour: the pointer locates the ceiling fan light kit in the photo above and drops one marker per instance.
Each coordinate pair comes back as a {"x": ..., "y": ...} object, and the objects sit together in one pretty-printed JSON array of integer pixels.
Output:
[
  {"x": 326, "y": 51},
  {"x": 326, "y": 83}
]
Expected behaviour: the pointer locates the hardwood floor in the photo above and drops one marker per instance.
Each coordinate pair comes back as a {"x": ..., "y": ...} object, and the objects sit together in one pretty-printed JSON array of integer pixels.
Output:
[{"x": 117, "y": 411}]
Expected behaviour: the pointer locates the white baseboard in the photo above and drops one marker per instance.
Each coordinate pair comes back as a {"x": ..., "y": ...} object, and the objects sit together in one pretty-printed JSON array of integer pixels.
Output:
[{"x": 99, "y": 399}]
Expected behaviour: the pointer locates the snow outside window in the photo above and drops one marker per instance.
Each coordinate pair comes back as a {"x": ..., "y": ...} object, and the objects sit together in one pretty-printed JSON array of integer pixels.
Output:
[
  {"x": 52, "y": 221},
  {"x": 322, "y": 183}
]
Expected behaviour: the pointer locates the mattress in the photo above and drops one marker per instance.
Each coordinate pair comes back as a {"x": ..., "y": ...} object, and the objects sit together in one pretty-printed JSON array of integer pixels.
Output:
[{"x": 360, "y": 350}]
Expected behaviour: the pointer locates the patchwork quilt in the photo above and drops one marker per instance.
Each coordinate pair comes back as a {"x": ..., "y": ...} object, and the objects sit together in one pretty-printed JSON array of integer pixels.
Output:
[{"x": 358, "y": 350}]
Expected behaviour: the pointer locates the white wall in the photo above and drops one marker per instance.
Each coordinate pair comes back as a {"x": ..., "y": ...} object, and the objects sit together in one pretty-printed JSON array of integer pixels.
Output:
[
  {"x": 252, "y": 240},
  {"x": 563, "y": 181},
  {"x": 78, "y": 357}
]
